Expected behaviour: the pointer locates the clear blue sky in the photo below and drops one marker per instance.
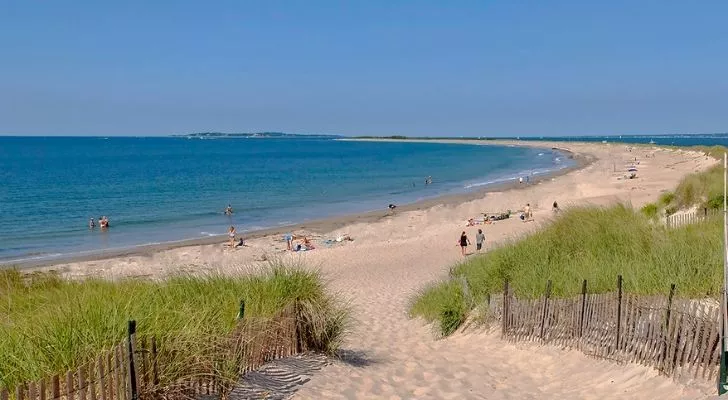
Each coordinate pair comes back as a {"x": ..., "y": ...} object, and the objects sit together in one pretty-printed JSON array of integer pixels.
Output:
[{"x": 367, "y": 67}]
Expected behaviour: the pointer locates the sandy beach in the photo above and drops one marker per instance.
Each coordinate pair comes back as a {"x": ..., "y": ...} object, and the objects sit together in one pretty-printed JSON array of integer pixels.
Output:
[{"x": 389, "y": 356}]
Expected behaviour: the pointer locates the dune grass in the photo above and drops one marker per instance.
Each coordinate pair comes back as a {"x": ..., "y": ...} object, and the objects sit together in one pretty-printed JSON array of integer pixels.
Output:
[
  {"x": 49, "y": 325},
  {"x": 702, "y": 189},
  {"x": 589, "y": 243}
]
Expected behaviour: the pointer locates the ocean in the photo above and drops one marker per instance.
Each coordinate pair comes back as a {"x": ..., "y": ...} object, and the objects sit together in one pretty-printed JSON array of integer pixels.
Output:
[{"x": 165, "y": 189}]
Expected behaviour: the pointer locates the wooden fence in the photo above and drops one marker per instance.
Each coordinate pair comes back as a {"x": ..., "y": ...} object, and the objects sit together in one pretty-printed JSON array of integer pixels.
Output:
[
  {"x": 678, "y": 337},
  {"x": 142, "y": 367},
  {"x": 675, "y": 220}
]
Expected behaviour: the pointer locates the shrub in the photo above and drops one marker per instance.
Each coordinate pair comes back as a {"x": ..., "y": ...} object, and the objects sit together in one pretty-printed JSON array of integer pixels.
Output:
[
  {"x": 667, "y": 198},
  {"x": 650, "y": 210}
]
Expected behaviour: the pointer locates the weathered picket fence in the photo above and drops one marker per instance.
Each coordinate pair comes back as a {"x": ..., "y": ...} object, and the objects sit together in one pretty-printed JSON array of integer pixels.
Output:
[
  {"x": 675, "y": 220},
  {"x": 142, "y": 367},
  {"x": 678, "y": 337}
]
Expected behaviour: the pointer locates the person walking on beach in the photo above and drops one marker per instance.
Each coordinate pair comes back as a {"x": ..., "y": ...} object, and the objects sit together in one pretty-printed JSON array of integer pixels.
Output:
[
  {"x": 527, "y": 213},
  {"x": 464, "y": 242},
  {"x": 479, "y": 240},
  {"x": 231, "y": 235}
]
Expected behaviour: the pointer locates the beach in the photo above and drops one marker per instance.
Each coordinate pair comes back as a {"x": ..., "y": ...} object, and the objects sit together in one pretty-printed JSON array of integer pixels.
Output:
[{"x": 392, "y": 255}]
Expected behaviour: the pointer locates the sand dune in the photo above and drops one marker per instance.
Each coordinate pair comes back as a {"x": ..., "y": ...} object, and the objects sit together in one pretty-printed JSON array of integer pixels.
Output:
[{"x": 389, "y": 356}]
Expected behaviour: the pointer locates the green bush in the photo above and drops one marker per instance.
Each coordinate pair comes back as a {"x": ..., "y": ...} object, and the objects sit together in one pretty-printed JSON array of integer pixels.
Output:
[
  {"x": 667, "y": 198},
  {"x": 443, "y": 302},
  {"x": 650, "y": 210}
]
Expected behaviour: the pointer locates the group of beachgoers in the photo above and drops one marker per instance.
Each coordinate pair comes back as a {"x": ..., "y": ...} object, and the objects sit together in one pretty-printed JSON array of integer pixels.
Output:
[
  {"x": 525, "y": 216},
  {"x": 103, "y": 223}
]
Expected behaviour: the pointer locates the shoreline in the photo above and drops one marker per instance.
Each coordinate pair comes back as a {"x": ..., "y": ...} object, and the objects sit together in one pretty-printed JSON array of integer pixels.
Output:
[{"x": 329, "y": 224}]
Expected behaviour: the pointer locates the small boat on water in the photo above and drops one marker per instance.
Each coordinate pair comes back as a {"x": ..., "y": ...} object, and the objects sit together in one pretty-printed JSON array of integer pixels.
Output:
[{"x": 652, "y": 141}]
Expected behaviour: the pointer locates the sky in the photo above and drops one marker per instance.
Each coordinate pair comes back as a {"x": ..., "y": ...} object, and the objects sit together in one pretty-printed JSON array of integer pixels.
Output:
[{"x": 457, "y": 68}]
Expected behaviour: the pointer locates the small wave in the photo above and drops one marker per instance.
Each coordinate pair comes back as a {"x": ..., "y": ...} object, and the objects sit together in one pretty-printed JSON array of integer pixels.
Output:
[
  {"x": 491, "y": 182},
  {"x": 31, "y": 258},
  {"x": 210, "y": 234},
  {"x": 540, "y": 154}
]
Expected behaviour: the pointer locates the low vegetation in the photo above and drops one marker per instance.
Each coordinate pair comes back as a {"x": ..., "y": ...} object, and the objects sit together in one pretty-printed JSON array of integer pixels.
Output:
[
  {"x": 700, "y": 189},
  {"x": 589, "y": 243},
  {"x": 49, "y": 325}
]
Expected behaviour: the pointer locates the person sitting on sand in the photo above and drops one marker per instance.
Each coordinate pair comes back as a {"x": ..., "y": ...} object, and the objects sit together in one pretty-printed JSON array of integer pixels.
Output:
[
  {"x": 231, "y": 235},
  {"x": 241, "y": 243},
  {"x": 309, "y": 245},
  {"x": 471, "y": 222},
  {"x": 464, "y": 242},
  {"x": 555, "y": 208},
  {"x": 391, "y": 208}
]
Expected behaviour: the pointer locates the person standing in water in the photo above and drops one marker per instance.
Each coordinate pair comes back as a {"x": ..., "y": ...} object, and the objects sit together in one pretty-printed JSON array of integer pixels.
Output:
[
  {"x": 91, "y": 224},
  {"x": 479, "y": 240},
  {"x": 231, "y": 235},
  {"x": 229, "y": 210},
  {"x": 464, "y": 242}
]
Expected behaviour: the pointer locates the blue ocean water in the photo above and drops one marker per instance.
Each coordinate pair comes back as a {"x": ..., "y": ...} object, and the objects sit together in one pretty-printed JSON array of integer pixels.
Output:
[{"x": 164, "y": 189}]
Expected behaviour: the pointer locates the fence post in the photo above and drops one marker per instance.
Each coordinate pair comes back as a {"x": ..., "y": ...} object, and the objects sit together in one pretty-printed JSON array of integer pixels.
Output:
[
  {"x": 583, "y": 308},
  {"x": 667, "y": 326},
  {"x": 705, "y": 211},
  {"x": 132, "y": 370},
  {"x": 241, "y": 313},
  {"x": 619, "y": 311},
  {"x": 505, "y": 308},
  {"x": 545, "y": 307},
  {"x": 466, "y": 290},
  {"x": 155, "y": 372}
]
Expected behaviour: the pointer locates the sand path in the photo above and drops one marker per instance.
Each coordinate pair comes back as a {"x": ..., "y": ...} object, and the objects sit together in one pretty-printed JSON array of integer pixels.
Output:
[{"x": 389, "y": 356}]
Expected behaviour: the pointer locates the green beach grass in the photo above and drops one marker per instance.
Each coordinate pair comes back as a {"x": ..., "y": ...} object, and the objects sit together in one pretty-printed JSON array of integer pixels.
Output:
[
  {"x": 49, "y": 325},
  {"x": 591, "y": 243},
  {"x": 595, "y": 244}
]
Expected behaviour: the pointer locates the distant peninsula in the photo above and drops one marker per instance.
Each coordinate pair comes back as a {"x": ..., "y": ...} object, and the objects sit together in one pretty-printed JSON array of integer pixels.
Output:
[{"x": 279, "y": 135}]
